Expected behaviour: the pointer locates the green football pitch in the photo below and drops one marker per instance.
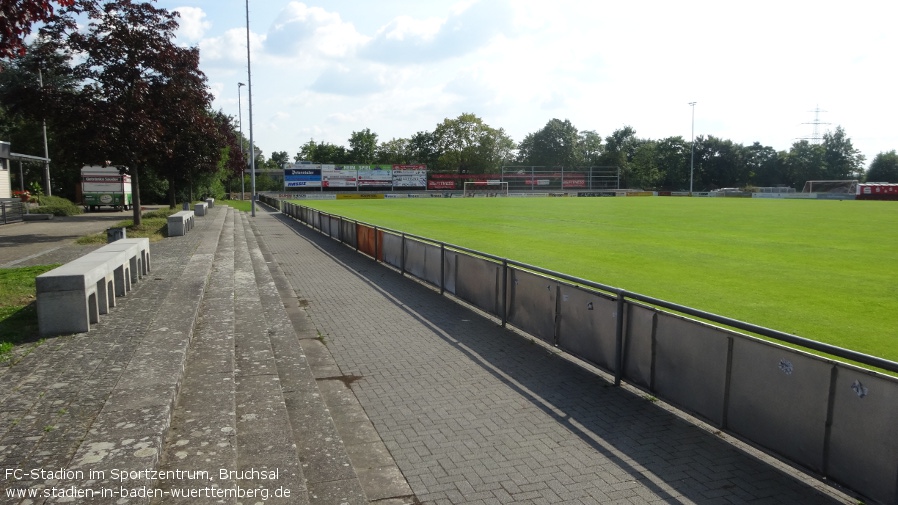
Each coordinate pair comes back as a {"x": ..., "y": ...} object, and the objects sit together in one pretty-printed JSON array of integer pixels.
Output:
[{"x": 821, "y": 269}]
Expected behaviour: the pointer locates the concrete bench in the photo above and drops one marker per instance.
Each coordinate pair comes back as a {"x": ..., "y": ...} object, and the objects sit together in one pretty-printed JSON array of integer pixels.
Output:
[
  {"x": 180, "y": 223},
  {"x": 71, "y": 297},
  {"x": 210, "y": 202},
  {"x": 201, "y": 208}
]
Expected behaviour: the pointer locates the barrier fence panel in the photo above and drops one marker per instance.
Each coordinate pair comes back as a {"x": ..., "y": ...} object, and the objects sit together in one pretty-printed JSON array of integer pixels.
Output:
[
  {"x": 423, "y": 260},
  {"x": 639, "y": 345},
  {"x": 324, "y": 223},
  {"x": 477, "y": 282},
  {"x": 863, "y": 443},
  {"x": 392, "y": 249},
  {"x": 367, "y": 240},
  {"x": 691, "y": 365},
  {"x": 778, "y": 398},
  {"x": 347, "y": 232},
  {"x": 532, "y": 303},
  {"x": 836, "y": 419},
  {"x": 586, "y": 325},
  {"x": 334, "y": 228},
  {"x": 450, "y": 267}
]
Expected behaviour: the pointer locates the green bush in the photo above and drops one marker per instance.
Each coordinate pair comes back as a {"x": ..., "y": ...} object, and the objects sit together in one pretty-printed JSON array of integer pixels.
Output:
[{"x": 56, "y": 206}]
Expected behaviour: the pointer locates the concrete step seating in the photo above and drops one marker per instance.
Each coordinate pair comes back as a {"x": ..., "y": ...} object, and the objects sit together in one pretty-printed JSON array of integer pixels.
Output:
[
  {"x": 181, "y": 222},
  {"x": 71, "y": 297}
]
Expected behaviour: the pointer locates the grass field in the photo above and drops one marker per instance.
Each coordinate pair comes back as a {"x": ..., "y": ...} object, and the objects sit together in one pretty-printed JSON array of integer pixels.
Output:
[{"x": 823, "y": 270}]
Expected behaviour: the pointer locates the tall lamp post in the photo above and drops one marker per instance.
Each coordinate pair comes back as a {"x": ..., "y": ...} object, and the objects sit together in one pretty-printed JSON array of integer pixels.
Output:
[
  {"x": 48, "y": 188},
  {"x": 692, "y": 156},
  {"x": 240, "y": 129},
  {"x": 252, "y": 151}
]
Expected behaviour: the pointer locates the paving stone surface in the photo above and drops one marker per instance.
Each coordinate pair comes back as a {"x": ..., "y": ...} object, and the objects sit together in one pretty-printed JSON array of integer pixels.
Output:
[
  {"x": 257, "y": 345},
  {"x": 475, "y": 413}
]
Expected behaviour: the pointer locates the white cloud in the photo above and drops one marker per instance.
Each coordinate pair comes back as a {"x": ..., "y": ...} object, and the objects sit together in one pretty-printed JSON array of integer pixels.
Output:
[
  {"x": 757, "y": 71},
  {"x": 405, "y": 28},
  {"x": 342, "y": 81},
  {"x": 229, "y": 48},
  {"x": 192, "y": 24},
  {"x": 406, "y": 40},
  {"x": 303, "y": 30}
]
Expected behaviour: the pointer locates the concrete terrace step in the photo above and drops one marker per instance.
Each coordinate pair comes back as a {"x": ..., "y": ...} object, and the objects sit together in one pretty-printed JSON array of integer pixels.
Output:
[
  {"x": 249, "y": 404},
  {"x": 330, "y": 476},
  {"x": 95, "y": 402},
  {"x": 201, "y": 437}
]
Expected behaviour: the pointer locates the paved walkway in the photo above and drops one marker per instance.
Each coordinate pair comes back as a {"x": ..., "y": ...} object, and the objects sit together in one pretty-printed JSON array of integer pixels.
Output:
[{"x": 293, "y": 364}]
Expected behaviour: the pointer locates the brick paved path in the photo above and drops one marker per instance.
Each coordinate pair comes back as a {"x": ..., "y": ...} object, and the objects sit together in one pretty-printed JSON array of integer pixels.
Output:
[{"x": 474, "y": 413}]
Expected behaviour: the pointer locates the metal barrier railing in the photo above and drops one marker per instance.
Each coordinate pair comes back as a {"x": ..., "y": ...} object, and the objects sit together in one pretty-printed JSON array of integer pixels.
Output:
[
  {"x": 12, "y": 210},
  {"x": 832, "y": 417}
]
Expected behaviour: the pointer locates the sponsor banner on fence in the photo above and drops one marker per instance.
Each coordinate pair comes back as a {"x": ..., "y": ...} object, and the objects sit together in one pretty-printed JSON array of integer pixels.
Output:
[
  {"x": 317, "y": 195},
  {"x": 302, "y": 176},
  {"x": 375, "y": 175},
  {"x": 596, "y": 193},
  {"x": 438, "y": 184},
  {"x": 360, "y": 196},
  {"x": 835, "y": 196},
  {"x": 337, "y": 176},
  {"x": 410, "y": 176}
]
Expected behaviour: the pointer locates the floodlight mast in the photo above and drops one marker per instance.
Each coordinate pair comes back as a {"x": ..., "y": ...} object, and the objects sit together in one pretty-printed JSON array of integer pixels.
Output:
[
  {"x": 252, "y": 151},
  {"x": 240, "y": 129},
  {"x": 692, "y": 156},
  {"x": 48, "y": 189}
]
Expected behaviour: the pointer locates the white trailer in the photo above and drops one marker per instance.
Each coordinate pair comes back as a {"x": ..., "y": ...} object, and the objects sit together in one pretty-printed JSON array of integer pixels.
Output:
[{"x": 105, "y": 186}]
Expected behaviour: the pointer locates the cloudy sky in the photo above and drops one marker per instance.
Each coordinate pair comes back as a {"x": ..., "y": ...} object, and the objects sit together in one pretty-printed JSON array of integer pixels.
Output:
[{"x": 758, "y": 70}]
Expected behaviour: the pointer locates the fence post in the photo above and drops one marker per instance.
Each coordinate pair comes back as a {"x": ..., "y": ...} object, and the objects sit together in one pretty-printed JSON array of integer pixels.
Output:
[
  {"x": 504, "y": 292},
  {"x": 442, "y": 268},
  {"x": 619, "y": 337},
  {"x": 402, "y": 256}
]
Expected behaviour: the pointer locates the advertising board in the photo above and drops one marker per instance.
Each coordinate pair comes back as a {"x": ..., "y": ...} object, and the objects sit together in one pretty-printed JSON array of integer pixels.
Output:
[
  {"x": 376, "y": 176},
  {"x": 337, "y": 176},
  {"x": 410, "y": 176},
  {"x": 302, "y": 176}
]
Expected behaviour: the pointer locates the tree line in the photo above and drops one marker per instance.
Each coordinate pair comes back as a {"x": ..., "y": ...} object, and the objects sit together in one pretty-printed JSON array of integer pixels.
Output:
[{"x": 468, "y": 145}]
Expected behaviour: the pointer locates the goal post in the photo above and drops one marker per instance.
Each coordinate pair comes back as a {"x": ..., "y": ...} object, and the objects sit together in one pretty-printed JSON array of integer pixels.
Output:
[
  {"x": 485, "y": 188},
  {"x": 848, "y": 186}
]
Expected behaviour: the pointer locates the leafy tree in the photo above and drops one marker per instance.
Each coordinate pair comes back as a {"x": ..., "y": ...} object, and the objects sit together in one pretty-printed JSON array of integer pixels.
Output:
[
  {"x": 645, "y": 169},
  {"x": 363, "y": 147},
  {"x": 25, "y": 105},
  {"x": 556, "y": 144},
  {"x": 884, "y": 168},
  {"x": 321, "y": 152},
  {"x": 590, "y": 148},
  {"x": 279, "y": 158},
  {"x": 16, "y": 20},
  {"x": 620, "y": 147},
  {"x": 468, "y": 145},
  {"x": 423, "y": 149},
  {"x": 802, "y": 163},
  {"x": 394, "y": 152},
  {"x": 763, "y": 165},
  {"x": 128, "y": 62},
  {"x": 841, "y": 159},
  {"x": 673, "y": 162},
  {"x": 190, "y": 145},
  {"x": 720, "y": 163}
]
